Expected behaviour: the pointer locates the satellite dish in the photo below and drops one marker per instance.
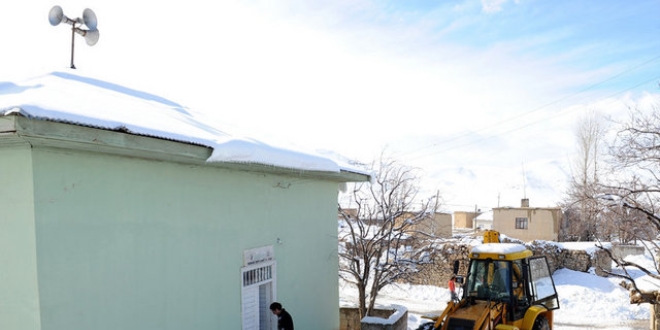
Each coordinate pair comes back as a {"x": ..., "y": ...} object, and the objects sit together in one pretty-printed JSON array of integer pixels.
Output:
[
  {"x": 56, "y": 16},
  {"x": 89, "y": 18},
  {"x": 92, "y": 37}
]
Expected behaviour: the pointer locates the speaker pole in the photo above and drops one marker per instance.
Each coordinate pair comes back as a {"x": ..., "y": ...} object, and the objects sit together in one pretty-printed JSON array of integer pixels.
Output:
[
  {"x": 91, "y": 34},
  {"x": 73, "y": 33}
]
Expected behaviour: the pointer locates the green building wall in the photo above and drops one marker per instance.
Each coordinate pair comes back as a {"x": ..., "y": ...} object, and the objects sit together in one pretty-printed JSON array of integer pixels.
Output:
[
  {"x": 19, "y": 293},
  {"x": 102, "y": 241}
]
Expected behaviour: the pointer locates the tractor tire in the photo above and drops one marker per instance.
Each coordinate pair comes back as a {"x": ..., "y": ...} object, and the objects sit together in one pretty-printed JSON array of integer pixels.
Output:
[
  {"x": 426, "y": 326},
  {"x": 541, "y": 323}
]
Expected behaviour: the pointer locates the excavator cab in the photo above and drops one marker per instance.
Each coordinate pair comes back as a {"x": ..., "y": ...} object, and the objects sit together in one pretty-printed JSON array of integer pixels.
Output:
[{"x": 489, "y": 280}]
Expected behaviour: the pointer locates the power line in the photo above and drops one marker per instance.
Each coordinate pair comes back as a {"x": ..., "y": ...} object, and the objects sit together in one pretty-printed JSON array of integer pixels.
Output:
[
  {"x": 518, "y": 128},
  {"x": 517, "y": 117}
]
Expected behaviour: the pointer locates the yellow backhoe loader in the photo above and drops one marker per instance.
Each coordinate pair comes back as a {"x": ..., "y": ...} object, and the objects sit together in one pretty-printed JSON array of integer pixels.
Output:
[{"x": 504, "y": 288}]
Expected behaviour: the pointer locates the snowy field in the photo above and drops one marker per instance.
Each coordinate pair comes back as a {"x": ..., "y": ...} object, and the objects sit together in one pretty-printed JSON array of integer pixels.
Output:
[{"x": 587, "y": 301}]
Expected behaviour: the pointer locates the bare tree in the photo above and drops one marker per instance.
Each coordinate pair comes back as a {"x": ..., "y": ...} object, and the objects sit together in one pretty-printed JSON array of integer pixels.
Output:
[
  {"x": 581, "y": 221},
  {"x": 383, "y": 239},
  {"x": 634, "y": 183},
  {"x": 632, "y": 192}
]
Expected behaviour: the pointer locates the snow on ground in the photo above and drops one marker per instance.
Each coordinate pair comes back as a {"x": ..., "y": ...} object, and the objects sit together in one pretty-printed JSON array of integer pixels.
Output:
[{"x": 587, "y": 301}]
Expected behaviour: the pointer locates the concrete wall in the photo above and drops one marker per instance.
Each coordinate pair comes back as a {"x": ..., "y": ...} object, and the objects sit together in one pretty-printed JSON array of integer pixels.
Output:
[
  {"x": 382, "y": 319},
  {"x": 622, "y": 250},
  {"x": 349, "y": 319},
  {"x": 396, "y": 321},
  {"x": 128, "y": 243}
]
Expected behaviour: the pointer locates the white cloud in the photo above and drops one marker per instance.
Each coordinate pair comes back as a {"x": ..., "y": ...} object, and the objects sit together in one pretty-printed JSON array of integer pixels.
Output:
[{"x": 492, "y": 6}]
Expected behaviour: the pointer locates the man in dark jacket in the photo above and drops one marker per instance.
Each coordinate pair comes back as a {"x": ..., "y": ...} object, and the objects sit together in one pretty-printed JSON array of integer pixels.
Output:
[{"x": 284, "y": 320}]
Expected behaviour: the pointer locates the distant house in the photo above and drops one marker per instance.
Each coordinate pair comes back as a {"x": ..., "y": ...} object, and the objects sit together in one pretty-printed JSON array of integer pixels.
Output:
[
  {"x": 163, "y": 224},
  {"x": 464, "y": 219},
  {"x": 528, "y": 223},
  {"x": 438, "y": 223},
  {"x": 484, "y": 220}
]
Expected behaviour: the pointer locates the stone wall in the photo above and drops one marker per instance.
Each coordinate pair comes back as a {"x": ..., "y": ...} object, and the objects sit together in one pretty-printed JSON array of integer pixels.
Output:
[
  {"x": 438, "y": 273},
  {"x": 582, "y": 261}
]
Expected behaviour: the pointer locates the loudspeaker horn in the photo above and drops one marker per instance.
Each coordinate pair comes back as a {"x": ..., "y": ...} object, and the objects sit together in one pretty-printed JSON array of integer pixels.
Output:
[
  {"x": 92, "y": 37},
  {"x": 89, "y": 18},
  {"x": 56, "y": 16}
]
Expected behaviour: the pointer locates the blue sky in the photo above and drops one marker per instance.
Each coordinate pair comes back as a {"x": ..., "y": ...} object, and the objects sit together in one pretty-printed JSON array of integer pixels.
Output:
[{"x": 482, "y": 96}]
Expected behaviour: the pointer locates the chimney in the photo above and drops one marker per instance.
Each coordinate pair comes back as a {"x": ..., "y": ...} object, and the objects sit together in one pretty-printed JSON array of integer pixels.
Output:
[{"x": 524, "y": 202}]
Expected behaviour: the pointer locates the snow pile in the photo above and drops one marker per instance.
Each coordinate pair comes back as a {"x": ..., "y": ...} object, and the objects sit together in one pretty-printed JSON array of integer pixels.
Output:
[
  {"x": 648, "y": 284},
  {"x": 498, "y": 248},
  {"x": 398, "y": 311},
  {"x": 583, "y": 294}
]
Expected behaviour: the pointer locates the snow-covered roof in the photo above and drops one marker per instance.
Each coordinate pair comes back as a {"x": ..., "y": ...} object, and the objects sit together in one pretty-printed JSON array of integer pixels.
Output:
[
  {"x": 77, "y": 99},
  {"x": 498, "y": 248},
  {"x": 485, "y": 216}
]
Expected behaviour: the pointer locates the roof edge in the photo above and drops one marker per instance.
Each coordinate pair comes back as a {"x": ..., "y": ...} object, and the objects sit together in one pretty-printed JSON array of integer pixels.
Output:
[{"x": 71, "y": 136}]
